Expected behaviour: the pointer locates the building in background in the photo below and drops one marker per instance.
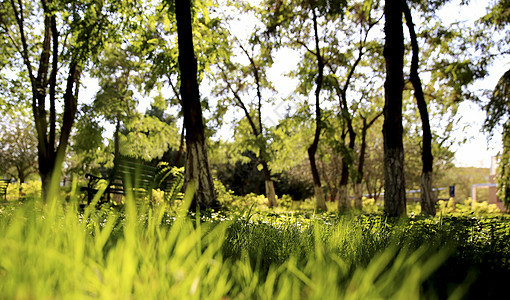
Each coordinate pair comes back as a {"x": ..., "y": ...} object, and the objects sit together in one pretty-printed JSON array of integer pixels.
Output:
[{"x": 491, "y": 185}]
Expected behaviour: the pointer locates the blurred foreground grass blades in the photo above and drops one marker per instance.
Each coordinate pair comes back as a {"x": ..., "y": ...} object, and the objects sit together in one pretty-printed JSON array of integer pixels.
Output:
[{"x": 52, "y": 251}]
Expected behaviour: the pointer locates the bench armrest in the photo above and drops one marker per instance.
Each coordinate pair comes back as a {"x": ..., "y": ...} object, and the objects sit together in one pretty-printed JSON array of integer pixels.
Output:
[{"x": 93, "y": 177}]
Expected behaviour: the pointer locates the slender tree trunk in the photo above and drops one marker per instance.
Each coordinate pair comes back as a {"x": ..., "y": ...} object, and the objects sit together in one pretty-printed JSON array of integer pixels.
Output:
[
  {"x": 344, "y": 202},
  {"x": 333, "y": 193},
  {"x": 427, "y": 196},
  {"x": 358, "y": 187},
  {"x": 197, "y": 160},
  {"x": 320, "y": 202},
  {"x": 394, "y": 191},
  {"x": 51, "y": 158},
  {"x": 358, "y": 203},
  {"x": 39, "y": 84},
  {"x": 116, "y": 141},
  {"x": 257, "y": 132}
]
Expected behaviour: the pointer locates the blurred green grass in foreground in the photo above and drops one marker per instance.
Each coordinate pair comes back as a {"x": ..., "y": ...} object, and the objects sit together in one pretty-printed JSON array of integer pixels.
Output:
[{"x": 54, "y": 251}]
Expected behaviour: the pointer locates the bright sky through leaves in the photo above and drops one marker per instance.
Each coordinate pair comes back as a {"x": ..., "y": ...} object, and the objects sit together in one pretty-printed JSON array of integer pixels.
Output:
[{"x": 478, "y": 149}]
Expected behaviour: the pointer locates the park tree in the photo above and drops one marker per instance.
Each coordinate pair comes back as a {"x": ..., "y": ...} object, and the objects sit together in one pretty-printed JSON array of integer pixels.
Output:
[
  {"x": 53, "y": 41},
  {"x": 450, "y": 64},
  {"x": 18, "y": 151},
  {"x": 498, "y": 106},
  {"x": 394, "y": 187},
  {"x": 162, "y": 35},
  {"x": 120, "y": 72},
  {"x": 498, "y": 112},
  {"x": 427, "y": 197},
  {"x": 197, "y": 168},
  {"x": 301, "y": 25},
  {"x": 348, "y": 73},
  {"x": 237, "y": 82}
]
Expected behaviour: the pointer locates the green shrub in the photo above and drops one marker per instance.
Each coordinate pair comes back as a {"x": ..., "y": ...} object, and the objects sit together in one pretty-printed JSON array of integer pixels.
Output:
[{"x": 29, "y": 190}]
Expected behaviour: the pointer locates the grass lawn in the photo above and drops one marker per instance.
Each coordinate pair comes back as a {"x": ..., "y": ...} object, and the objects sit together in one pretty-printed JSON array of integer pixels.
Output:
[{"x": 53, "y": 251}]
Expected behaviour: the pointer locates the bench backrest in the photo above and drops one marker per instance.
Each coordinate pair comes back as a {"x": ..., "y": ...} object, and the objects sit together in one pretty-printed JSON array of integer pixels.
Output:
[
  {"x": 133, "y": 173},
  {"x": 3, "y": 187},
  {"x": 4, "y": 183}
]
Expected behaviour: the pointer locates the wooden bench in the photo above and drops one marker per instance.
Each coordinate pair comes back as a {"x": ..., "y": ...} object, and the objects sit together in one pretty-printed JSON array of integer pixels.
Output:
[
  {"x": 128, "y": 174},
  {"x": 3, "y": 187}
]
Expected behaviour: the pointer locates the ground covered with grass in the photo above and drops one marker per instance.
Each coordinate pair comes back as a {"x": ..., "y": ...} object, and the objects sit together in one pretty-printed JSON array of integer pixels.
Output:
[{"x": 55, "y": 251}]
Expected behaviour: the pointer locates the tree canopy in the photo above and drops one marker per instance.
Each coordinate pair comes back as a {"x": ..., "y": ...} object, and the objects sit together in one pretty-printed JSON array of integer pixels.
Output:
[{"x": 372, "y": 112}]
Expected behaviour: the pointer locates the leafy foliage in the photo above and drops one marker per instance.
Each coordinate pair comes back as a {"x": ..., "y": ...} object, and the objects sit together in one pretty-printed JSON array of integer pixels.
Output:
[
  {"x": 498, "y": 113},
  {"x": 18, "y": 156}
]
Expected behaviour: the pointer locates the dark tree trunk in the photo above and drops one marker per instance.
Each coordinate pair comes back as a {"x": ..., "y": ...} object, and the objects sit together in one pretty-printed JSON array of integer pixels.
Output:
[
  {"x": 319, "y": 194},
  {"x": 394, "y": 185},
  {"x": 358, "y": 187},
  {"x": 427, "y": 196},
  {"x": 344, "y": 202},
  {"x": 50, "y": 167},
  {"x": 198, "y": 172}
]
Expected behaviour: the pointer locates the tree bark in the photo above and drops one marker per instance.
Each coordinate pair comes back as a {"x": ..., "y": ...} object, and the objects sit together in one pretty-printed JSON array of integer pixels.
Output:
[
  {"x": 344, "y": 202},
  {"x": 427, "y": 196},
  {"x": 197, "y": 167},
  {"x": 358, "y": 195},
  {"x": 358, "y": 186},
  {"x": 342, "y": 195},
  {"x": 270, "y": 192},
  {"x": 320, "y": 202},
  {"x": 394, "y": 192}
]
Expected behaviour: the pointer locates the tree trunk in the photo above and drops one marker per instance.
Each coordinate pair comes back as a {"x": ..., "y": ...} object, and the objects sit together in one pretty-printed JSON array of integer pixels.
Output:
[
  {"x": 358, "y": 187},
  {"x": 344, "y": 202},
  {"x": 428, "y": 205},
  {"x": 320, "y": 202},
  {"x": 270, "y": 192},
  {"x": 197, "y": 160},
  {"x": 361, "y": 161},
  {"x": 258, "y": 133},
  {"x": 342, "y": 195},
  {"x": 346, "y": 163},
  {"x": 394, "y": 191},
  {"x": 51, "y": 153},
  {"x": 358, "y": 196},
  {"x": 427, "y": 196}
]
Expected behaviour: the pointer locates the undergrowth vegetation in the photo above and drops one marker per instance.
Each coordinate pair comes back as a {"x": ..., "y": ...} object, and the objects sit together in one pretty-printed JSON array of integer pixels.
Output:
[{"x": 54, "y": 250}]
